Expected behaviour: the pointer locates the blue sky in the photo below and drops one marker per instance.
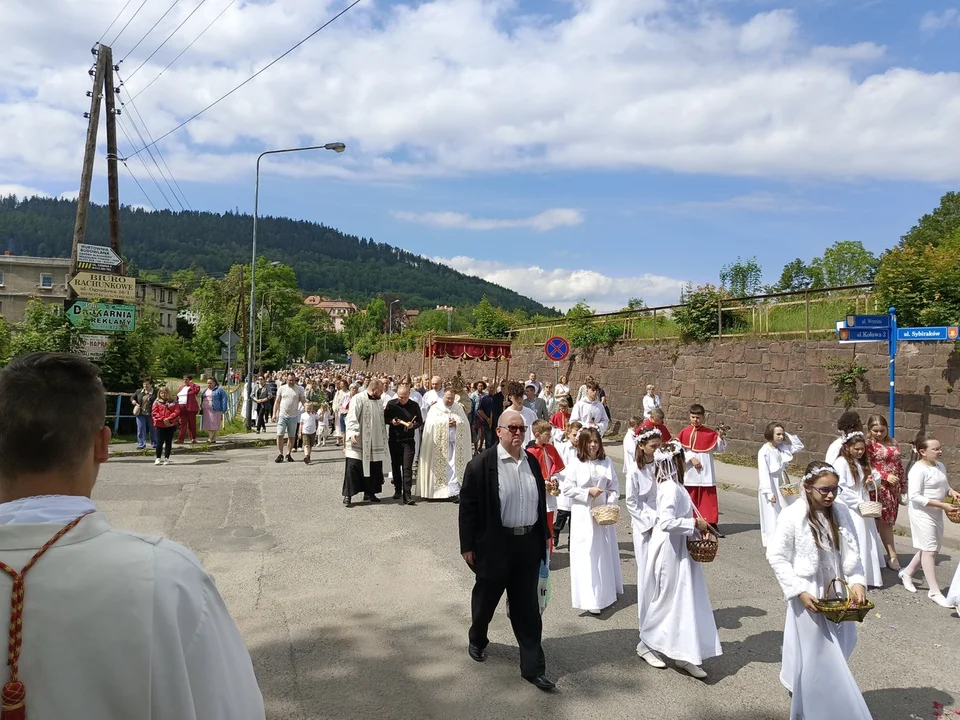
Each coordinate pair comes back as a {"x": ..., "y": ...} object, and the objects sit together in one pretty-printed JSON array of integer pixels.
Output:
[{"x": 596, "y": 149}]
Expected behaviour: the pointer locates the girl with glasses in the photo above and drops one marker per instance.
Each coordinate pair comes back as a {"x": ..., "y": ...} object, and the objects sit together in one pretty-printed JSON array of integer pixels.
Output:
[
  {"x": 853, "y": 469},
  {"x": 590, "y": 479},
  {"x": 815, "y": 542}
]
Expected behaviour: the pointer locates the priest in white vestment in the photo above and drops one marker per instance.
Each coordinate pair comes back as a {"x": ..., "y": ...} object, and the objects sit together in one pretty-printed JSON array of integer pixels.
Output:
[
  {"x": 595, "y": 576},
  {"x": 445, "y": 450},
  {"x": 366, "y": 445},
  {"x": 115, "y": 624}
]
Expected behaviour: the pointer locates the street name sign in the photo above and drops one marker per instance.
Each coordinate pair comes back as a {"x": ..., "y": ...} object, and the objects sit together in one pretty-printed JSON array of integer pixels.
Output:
[
  {"x": 868, "y": 321},
  {"x": 227, "y": 354},
  {"x": 101, "y": 285},
  {"x": 98, "y": 258},
  {"x": 921, "y": 334},
  {"x": 103, "y": 316},
  {"x": 94, "y": 346},
  {"x": 848, "y": 334}
]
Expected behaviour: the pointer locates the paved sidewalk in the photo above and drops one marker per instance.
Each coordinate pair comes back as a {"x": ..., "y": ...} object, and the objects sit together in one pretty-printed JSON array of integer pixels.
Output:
[{"x": 744, "y": 480}]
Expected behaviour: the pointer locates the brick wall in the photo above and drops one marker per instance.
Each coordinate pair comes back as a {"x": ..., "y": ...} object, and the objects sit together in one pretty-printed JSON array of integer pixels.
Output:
[{"x": 747, "y": 384}]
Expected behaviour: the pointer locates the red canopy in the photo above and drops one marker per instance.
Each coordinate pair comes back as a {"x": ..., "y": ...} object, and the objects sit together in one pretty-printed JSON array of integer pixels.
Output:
[{"x": 467, "y": 349}]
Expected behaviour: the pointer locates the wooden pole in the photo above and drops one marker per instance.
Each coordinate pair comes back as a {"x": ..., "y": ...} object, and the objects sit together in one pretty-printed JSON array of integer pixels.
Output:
[
  {"x": 89, "y": 152},
  {"x": 113, "y": 181}
]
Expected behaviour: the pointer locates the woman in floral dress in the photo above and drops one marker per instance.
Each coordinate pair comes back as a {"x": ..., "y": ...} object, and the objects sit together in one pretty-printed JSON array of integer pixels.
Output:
[{"x": 884, "y": 456}]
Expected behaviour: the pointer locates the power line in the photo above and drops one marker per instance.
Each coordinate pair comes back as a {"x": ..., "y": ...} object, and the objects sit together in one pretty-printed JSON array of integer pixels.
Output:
[
  {"x": 257, "y": 73},
  {"x": 175, "y": 31},
  {"x": 209, "y": 25},
  {"x": 114, "y": 21},
  {"x": 143, "y": 192},
  {"x": 128, "y": 23},
  {"x": 152, "y": 27},
  {"x": 159, "y": 154},
  {"x": 142, "y": 162}
]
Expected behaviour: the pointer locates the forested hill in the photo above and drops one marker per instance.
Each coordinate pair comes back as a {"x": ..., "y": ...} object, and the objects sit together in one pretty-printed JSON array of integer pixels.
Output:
[{"x": 326, "y": 261}]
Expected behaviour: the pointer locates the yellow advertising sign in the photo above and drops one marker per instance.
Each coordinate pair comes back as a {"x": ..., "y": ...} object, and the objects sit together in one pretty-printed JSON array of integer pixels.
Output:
[{"x": 105, "y": 286}]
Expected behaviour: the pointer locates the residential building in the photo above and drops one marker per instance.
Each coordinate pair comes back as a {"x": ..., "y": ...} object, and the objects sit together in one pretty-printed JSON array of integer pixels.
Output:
[
  {"x": 25, "y": 278},
  {"x": 338, "y": 310},
  {"x": 162, "y": 298}
]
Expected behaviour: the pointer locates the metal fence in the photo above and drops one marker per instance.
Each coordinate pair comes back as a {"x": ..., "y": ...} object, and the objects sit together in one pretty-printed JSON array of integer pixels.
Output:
[{"x": 806, "y": 313}]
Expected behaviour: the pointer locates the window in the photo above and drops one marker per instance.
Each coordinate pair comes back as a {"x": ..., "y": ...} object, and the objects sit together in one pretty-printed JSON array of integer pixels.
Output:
[
  {"x": 169, "y": 295},
  {"x": 46, "y": 281},
  {"x": 1, "y": 279},
  {"x": 169, "y": 320}
]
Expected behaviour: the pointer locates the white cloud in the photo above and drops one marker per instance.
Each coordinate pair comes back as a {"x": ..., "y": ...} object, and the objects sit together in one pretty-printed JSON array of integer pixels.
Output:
[
  {"x": 764, "y": 202},
  {"x": 547, "y": 220},
  {"x": 938, "y": 21},
  {"x": 21, "y": 191},
  {"x": 465, "y": 87},
  {"x": 563, "y": 288}
]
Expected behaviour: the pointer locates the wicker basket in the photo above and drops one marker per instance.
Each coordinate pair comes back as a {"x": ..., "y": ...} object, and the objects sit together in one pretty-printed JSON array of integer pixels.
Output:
[
  {"x": 605, "y": 514},
  {"x": 953, "y": 515},
  {"x": 703, "y": 549},
  {"x": 870, "y": 508},
  {"x": 789, "y": 490},
  {"x": 838, "y": 609}
]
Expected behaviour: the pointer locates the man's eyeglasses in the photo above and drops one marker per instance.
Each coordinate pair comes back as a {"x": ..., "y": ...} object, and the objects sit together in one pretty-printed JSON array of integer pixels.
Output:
[
  {"x": 514, "y": 428},
  {"x": 824, "y": 491}
]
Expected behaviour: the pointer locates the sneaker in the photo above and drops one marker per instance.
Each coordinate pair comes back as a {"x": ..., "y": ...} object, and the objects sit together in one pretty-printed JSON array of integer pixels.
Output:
[
  {"x": 157, "y": 461},
  {"x": 594, "y": 612},
  {"x": 939, "y": 599},
  {"x": 306, "y": 460},
  {"x": 279, "y": 459},
  {"x": 166, "y": 461},
  {"x": 650, "y": 657},
  {"x": 691, "y": 669},
  {"x": 907, "y": 581},
  {"x": 289, "y": 458}
]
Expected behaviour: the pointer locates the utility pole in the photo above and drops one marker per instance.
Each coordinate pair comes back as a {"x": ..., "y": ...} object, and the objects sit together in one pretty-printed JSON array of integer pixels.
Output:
[
  {"x": 89, "y": 154},
  {"x": 113, "y": 185}
]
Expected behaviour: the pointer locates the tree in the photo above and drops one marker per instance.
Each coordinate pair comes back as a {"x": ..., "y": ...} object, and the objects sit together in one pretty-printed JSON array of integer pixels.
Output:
[
  {"x": 797, "y": 275},
  {"x": 846, "y": 262},
  {"x": 45, "y": 328},
  {"x": 697, "y": 316},
  {"x": 635, "y": 303},
  {"x": 742, "y": 278},
  {"x": 490, "y": 321},
  {"x": 936, "y": 227}
]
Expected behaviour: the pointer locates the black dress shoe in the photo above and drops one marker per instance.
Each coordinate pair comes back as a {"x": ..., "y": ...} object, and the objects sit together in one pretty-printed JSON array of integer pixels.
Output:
[
  {"x": 408, "y": 500},
  {"x": 541, "y": 682},
  {"x": 478, "y": 654},
  {"x": 347, "y": 501},
  {"x": 371, "y": 498},
  {"x": 455, "y": 499},
  {"x": 719, "y": 532},
  {"x": 397, "y": 495}
]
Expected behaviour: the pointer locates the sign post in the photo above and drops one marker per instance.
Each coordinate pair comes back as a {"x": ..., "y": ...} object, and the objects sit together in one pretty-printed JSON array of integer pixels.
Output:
[
  {"x": 893, "y": 366},
  {"x": 556, "y": 349},
  {"x": 230, "y": 339}
]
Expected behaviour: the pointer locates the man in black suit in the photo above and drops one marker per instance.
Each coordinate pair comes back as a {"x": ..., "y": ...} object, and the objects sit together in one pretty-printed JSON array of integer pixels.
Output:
[{"x": 503, "y": 538}]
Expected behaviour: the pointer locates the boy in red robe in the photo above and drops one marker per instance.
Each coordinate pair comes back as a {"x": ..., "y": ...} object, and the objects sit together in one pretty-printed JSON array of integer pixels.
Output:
[
  {"x": 699, "y": 444},
  {"x": 656, "y": 421},
  {"x": 551, "y": 464}
]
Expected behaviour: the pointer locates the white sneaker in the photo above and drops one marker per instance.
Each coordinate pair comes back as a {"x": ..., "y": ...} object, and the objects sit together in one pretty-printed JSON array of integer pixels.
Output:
[
  {"x": 649, "y": 656},
  {"x": 166, "y": 461},
  {"x": 594, "y": 612},
  {"x": 939, "y": 599},
  {"x": 691, "y": 669},
  {"x": 157, "y": 461},
  {"x": 907, "y": 581}
]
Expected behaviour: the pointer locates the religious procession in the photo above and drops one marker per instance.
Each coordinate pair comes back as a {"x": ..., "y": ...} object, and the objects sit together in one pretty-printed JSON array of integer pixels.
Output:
[{"x": 526, "y": 461}]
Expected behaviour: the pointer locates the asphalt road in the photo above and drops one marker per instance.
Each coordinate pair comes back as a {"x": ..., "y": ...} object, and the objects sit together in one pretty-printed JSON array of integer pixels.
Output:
[{"x": 363, "y": 612}]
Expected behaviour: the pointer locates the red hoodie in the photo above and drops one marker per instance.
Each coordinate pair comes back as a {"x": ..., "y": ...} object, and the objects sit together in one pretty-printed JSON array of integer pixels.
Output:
[
  {"x": 165, "y": 415},
  {"x": 541, "y": 452}
]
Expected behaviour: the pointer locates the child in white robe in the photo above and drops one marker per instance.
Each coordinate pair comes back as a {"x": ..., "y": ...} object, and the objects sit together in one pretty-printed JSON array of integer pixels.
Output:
[
  {"x": 568, "y": 453},
  {"x": 590, "y": 479},
  {"x": 630, "y": 443},
  {"x": 678, "y": 620},
  {"x": 814, "y": 543},
  {"x": 772, "y": 461},
  {"x": 853, "y": 470},
  {"x": 642, "y": 506}
]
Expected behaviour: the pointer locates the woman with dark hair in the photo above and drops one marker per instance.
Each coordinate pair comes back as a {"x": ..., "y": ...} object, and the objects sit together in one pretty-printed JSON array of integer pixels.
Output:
[
  {"x": 814, "y": 543},
  {"x": 854, "y": 471},
  {"x": 883, "y": 454},
  {"x": 590, "y": 479}
]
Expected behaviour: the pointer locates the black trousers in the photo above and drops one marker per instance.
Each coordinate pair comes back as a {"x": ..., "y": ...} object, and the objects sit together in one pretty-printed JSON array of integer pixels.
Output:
[
  {"x": 401, "y": 462},
  {"x": 559, "y": 523},
  {"x": 261, "y": 417},
  {"x": 520, "y": 583},
  {"x": 165, "y": 440}
]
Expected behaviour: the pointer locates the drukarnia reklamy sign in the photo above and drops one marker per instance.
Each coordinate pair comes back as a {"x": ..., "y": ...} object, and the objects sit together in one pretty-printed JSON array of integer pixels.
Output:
[{"x": 103, "y": 317}]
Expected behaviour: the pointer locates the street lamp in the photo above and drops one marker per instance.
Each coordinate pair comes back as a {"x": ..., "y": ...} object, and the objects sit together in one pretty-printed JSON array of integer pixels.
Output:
[
  {"x": 337, "y": 147},
  {"x": 390, "y": 320}
]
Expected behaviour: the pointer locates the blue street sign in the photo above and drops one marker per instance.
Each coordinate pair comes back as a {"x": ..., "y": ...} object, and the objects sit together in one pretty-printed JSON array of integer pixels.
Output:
[
  {"x": 868, "y": 321},
  {"x": 864, "y": 335},
  {"x": 920, "y": 334},
  {"x": 557, "y": 348}
]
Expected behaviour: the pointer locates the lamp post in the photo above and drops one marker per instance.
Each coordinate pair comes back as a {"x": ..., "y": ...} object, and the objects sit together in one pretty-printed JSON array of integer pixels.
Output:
[
  {"x": 337, "y": 147},
  {"x": 390, "y": 320}
]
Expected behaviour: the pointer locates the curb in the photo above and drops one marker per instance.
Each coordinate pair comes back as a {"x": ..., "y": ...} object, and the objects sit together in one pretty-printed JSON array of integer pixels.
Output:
[{"x": 198, "y": 448}]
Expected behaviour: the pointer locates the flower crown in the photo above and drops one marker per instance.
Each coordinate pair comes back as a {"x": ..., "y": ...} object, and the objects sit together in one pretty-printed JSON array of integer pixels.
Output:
[
  {"x": 852, "y": 436},
  {"x": 647, "y": 434},
  {"x": 820, "y": 471},
  {"x": 667, "y": 452}
]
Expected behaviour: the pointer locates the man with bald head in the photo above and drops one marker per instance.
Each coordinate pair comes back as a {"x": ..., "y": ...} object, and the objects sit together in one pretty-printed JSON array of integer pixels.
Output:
[
  {"x": 365, "y": 446},
  {"x": 403, "y": 418},
  {"x": 503, "y": 538}
]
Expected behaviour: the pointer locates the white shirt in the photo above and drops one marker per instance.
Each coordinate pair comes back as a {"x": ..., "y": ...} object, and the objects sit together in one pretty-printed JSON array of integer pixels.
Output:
[
  {"x": 122, "y": 624},
  {"x": 590, "y": 414},
  {"x": 309, "y": 423},
  {"x": 649, "y": 403},
  {"x": 430, "y": 398},
  {"x": 629, "y": 451},
  {"x": 519, "y": 498},
  {"x": 289, "y": 399}
]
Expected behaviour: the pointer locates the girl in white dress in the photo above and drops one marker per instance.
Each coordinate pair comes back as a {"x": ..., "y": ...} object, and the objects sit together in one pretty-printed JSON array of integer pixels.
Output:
[
  {"x": 853, "y": 469},
  {"x": 568, "y": 453},
  {"x": 642, "y": 506},
  {"x": 678, "y": 620},
  {"x": 595, "y": 577},
  {"x": 772, "y": 461},
  {"x": 927, "y": 489},
  {"x": 814, "y": 543}
]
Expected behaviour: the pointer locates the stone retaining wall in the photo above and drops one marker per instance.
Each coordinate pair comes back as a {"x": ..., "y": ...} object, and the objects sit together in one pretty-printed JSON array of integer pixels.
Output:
[{"x": 746, "y": 384}]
